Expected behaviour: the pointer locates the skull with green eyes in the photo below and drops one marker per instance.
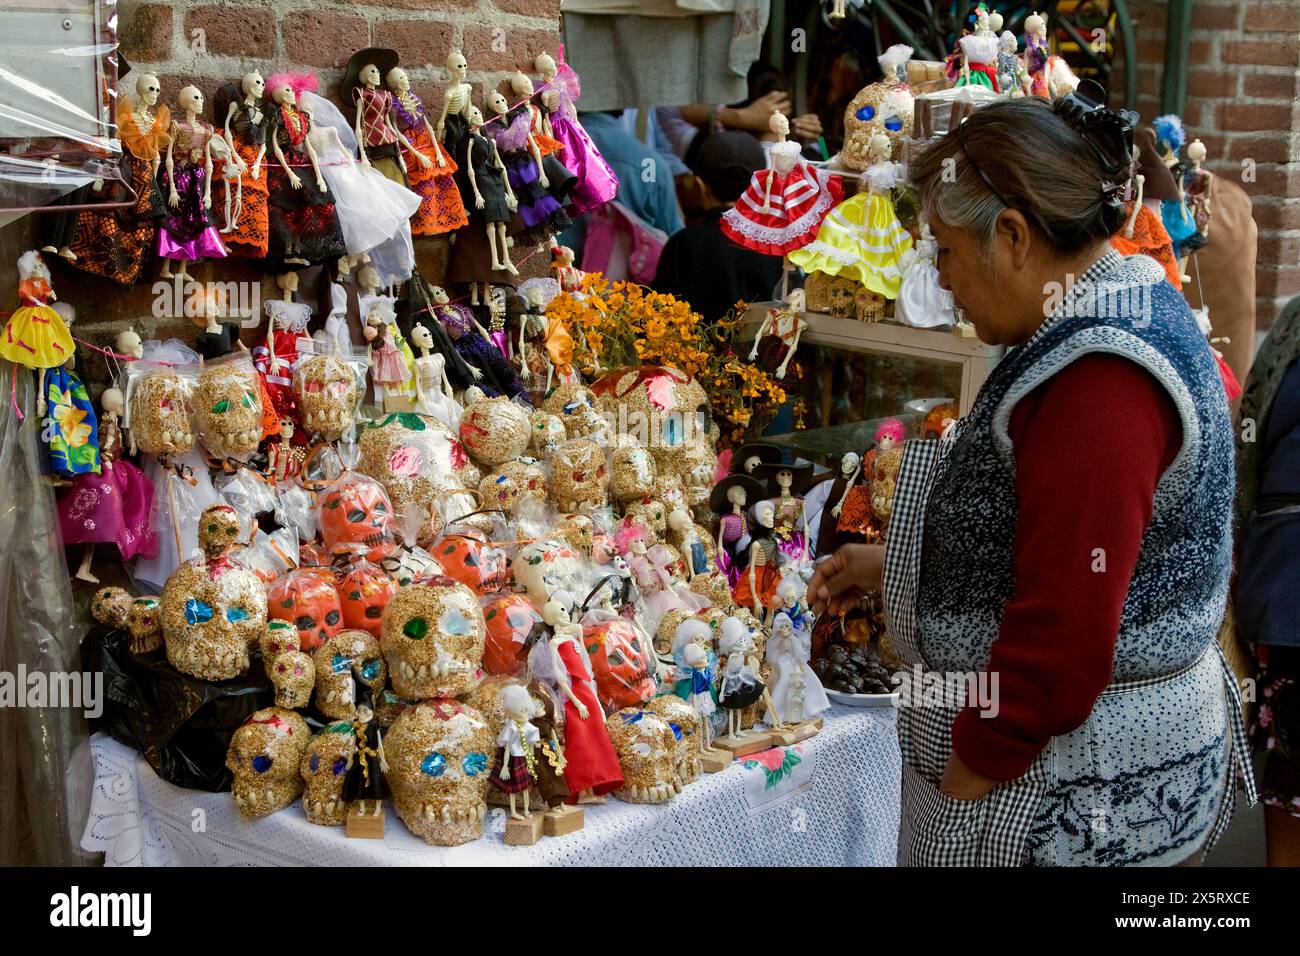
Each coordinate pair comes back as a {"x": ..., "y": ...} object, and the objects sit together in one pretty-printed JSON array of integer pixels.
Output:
[
  {"x": 432, "y": 637},
  {"x": 264, "y": 756},
  {"x": 228, "y": 410},
  {"x": 346, "y": 656}
]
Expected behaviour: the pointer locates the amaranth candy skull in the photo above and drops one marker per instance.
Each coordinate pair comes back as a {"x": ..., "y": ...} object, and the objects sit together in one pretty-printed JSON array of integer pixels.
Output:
[
  {"x": 264, "y": 755},
  {"x": 432, "y": 637}
]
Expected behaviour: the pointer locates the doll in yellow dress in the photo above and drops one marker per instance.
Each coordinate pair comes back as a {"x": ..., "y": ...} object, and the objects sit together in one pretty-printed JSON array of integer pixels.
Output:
[
  {"x": 35, "y": 335},
  {"x": 861, "y": 238}
]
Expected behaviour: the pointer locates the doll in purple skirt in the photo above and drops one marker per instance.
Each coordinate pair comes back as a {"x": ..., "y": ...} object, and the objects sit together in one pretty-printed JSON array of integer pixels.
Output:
[
  {"x": 596, "y": 183},
  {"x": 538, "y": 208},
  {"x": 188, "y": 233}
]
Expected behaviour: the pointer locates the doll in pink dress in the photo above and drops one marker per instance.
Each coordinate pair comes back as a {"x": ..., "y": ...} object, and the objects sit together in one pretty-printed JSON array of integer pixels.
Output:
[
  {"x": 596, "y": 183},
  {"x": 113, "y": 505},
  {"x": 658, "y": 574}
]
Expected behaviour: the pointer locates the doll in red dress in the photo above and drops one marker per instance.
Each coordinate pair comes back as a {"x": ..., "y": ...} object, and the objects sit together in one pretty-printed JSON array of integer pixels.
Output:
[{"x": 592, "y": 769}]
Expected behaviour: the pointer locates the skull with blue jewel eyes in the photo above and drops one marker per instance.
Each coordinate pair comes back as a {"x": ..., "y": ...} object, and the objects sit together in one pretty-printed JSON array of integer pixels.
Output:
[
  {"x": 432, "y": 637},
  {"x": 324, "y": 768},
  {"x": 439, "y": 763},
  {"x": 347, "y": 656},
  {"x": 264, "y": 755}
]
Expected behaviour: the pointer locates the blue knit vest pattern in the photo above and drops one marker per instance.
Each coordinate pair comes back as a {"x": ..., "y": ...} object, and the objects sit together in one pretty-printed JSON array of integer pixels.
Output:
[{"x": 1141, "y": 780}]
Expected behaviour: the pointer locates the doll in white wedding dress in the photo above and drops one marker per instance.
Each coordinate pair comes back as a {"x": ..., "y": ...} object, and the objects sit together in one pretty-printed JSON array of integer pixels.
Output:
[
  {"x": 374, "y": 212},
  {"x": 432, "y": 387}
]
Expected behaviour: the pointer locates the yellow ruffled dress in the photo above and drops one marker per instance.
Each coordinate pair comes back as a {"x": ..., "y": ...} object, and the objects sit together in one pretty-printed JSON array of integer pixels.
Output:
[
  {"x": 35, "y": 335},
  {"x": 861, "y": 238}
]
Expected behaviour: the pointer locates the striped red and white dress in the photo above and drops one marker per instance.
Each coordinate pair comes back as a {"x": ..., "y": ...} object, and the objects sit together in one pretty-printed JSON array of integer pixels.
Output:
[{"x": 797, "y": 202}]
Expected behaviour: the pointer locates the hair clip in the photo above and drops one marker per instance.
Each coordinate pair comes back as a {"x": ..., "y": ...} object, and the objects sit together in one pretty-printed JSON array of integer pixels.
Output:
[{"x": 1109, "y": 132}]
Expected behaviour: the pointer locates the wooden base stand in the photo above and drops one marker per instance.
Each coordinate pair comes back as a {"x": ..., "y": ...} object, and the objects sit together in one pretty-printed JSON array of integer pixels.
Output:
[
  {"x": 559, "y": 822},
  {"x": 715, "y": 762},
  {"x": 369, "y": 826},
  {"x": 524, "y": 832},
  {"x": 744, "y": 744},
  {"x": 793, "y": 733}
]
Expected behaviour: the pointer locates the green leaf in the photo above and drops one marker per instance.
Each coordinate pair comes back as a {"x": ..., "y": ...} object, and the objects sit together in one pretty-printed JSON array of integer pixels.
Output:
[
  {"x": 411, "y": 421},
  {"x": 221, "y": 407}
]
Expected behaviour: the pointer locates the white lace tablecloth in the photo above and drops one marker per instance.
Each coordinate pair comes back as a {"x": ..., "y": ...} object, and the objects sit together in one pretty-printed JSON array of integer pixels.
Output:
[{"x": 831, "y": 800}]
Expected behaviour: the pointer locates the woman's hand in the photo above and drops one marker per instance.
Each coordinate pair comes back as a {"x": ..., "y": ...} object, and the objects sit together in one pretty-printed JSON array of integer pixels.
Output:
[
  {"x": 842, "y": 580},
  {"x": 756, "y": 116},
  {"x": 806, "y": 127},
  {"x": 961, "y": 782}
]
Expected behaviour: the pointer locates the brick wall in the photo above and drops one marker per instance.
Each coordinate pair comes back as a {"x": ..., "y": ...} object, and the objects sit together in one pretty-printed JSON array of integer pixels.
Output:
[
  {"x": 1243, "y": 83},
  {"x": 496, "y": 36}
]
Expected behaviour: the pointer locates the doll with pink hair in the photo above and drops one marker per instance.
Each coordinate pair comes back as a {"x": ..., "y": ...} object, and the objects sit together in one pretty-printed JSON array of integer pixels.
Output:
[
  {"x": 658, "y": 572},
  {"x": 303, "y": 223},
  {"x": 857, "y": 521}
]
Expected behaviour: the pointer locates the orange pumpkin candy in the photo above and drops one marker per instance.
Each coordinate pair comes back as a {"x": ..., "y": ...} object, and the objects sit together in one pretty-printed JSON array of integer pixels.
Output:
[
  {"x": 510, "y": 618},
  {"x": 355, "y": 513},
  {"x": 621, "y": 663},
  {"x": 306, "y": 598},
  {"x": 364, "y": 592},
  {"x": 468, "y": 557}
]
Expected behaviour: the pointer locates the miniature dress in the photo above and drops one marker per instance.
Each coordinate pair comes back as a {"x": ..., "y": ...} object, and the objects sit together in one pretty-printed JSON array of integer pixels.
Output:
[
  {"x": 541, "y": 214},
  {"x": 288, "y": 323},
  {"x": 499, "y": 377},
  {"x": 922, "y": 302},
  {"x": 187, "y": 232},
  {"x": 213, "y": 345},
  {"x": 521, "y": 743},
  {"x": 981, "y": 60},
  {"x": 303, "y": 223},
  {"x": 393, "y": 363},
  {"x": 766, "y": 576},
  {"x": 441, "y": 209},
  {"x": 1181, "y": 226},
  {"x": 380, "y": 140},
  {"x": 116, "y": 244},
  {"x": 1036, "y": 54},
  {"x": 597, "y": 183},
  {"x": 69, "y": 428},
  {"x": 790, "y": 539},
  {"x": 433, "y": 401},
  {"x": 780, "y": 337},
  {"x": 35, "y": 335},
  {"x": 735, "y": 528},
  {"x": 561, "y": 178},
  {"x": 113, "y": 505},
  {"x": 861, "y": 238},
  {"x": 1150, "y": 239},
  {"x": 784, "y": 666},
  {"x": 489, "y": 178},
  {"x": 659, "y": 592},
  {"x": 551, "y": 763},
  {"x": 797, "y": 200},
  {"x": 248, "y": 128},
  {"x": 739, "y": 686},
  {"x": 387, "y": 367},
  {"x": 591, "y": 760},
  {"x": 695, "y": 686}
]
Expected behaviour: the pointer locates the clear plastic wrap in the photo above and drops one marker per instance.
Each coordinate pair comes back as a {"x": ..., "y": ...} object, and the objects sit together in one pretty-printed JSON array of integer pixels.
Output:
[
  {"x": 182, "y": 490},
  {"x": 364, "y": 590},
  {"x": 159, "y": 396},
  {"x": 468, "y": 555},
  {"x": 510, "y": 620},
  {"x": 58, "y": 142},
  {"x": 496, "y": 430},
  {"x": 622, "y": 655},
  {"x": 270, "y": 556},
  {"x": 294, "y": 506},
  {"x": 328, "y": 390},
  {"x": 307, "y": 599},
  {"x": 248, "y": 492},
  {"x": 227, "y": 403},
  {"x": 355, "y": 513}
]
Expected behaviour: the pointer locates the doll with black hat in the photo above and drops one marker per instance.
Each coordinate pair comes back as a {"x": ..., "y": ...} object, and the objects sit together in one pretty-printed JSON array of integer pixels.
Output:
[
  {"x": 787, "y": 483},
  {"x": 749, "y": 456},
  {"x": 377, "y": 134},
  {"x": 729, "y": 499}
]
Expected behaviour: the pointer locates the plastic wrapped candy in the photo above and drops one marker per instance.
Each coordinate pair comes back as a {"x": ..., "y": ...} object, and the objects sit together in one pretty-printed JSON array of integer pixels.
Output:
[
  {"x": 411, "y": 564},
  {"x": 364, "y": 591},
  {"x": 549, "y": 566},
  {"x": 622, "y": 659},
  {"x": 512, "y": 483},
  {"x": 328, "y": 391},
  {"x": 355, "y": 511},
  {"x": 227, "y": 404},
  {"x": 158, "y": 407},
  {"x": 417, "y": 459},
  {"x": 467, "y": 556},
  {"x": 632, "y": 471},
  {"x": 270, "y": 556},
  {"x": 579, "y": 476},
  {"x": 662, "y": 403},
  {"x": 575, "y": 406},
  {"x": 510, "y": 619},
  {"x": 495, "y": 430},
  {"x": 307, "y": 599}
]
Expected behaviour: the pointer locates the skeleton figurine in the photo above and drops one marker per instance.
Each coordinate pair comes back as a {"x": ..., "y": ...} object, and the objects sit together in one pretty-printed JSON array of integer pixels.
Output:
[
  {"x": 740, "y": 685},
  {"x": 517, "y": 767}
]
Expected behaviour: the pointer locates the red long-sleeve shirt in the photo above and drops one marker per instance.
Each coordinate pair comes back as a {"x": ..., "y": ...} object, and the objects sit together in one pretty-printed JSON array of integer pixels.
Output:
[{"x": 1090, "y": 444}]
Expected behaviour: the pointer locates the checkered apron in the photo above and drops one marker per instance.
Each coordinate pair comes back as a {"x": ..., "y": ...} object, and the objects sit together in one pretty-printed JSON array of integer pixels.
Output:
[{"x": 935, "y": 829}]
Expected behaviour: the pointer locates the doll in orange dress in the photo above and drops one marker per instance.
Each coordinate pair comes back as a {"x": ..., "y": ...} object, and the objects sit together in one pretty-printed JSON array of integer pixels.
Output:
[
  {"x": 756, "y": 588},
  {"x": 858, "y": 522},
  {"x": 117, "y": 244},
  {"x": 238, "y": 110},
  {"x": 430, "y": 170}
]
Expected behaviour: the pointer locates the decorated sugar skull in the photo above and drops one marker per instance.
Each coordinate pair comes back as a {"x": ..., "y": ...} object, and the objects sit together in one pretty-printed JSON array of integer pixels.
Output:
[
  {"x": 548, "y": 434},
  {"x": 631, "y": 471},
  {"x": 325, "y": 388},
  {"x": 647, "y": 753},
  {"x": 264, "y": 756},
  {"x": 323, "y": 769},
  {"x": 467, "y": 556},
  {"x": 212, "y": 610},
  {"x": 579, "y": 531},
  {"x": 881, "y": 107},
  {"x": 160, "y": 413},
  {"x": 110, "y": 607},
  {"x": 354, "y": 513},
  {"x": 219, "y": 530},
  {"x": 668, "y": 628},
  {"x": 663, "y": 407},
  {"x": 575, "y": 405},
  {"x": 699, "y": 464},
  {"x": 509, "y": 619},
  {"x": 622, "y": 662},
  {"x": 228, "y": 410},
  {"x": 364, "y": 591},
  {"x": 144, "y": 622},
  {"x": 410, "y": 564},
  {"x": 439, "y": 761},
  {"x": 346, "y": 657},
  {"x": 546, "y": 566},
  {"x": 417, "y": 459},
  {"x": 715, "y": 587},
  {"x": 686, "y": 724},
  {"x": 514, "y": 482},
  {"x": 432, "y": 640},
  {"x": 495, "y": 430},
  {"x": 278, "y": 637},
  {"x": 650, "y": 513},
  {"x": 293, "y": 675},
  {"x": 306, "y": 598},
  {"x": 579, "y": 477}
]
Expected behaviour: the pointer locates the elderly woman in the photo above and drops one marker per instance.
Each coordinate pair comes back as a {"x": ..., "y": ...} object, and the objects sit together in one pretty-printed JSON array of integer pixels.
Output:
[{"x": 1068, "y": 542}]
